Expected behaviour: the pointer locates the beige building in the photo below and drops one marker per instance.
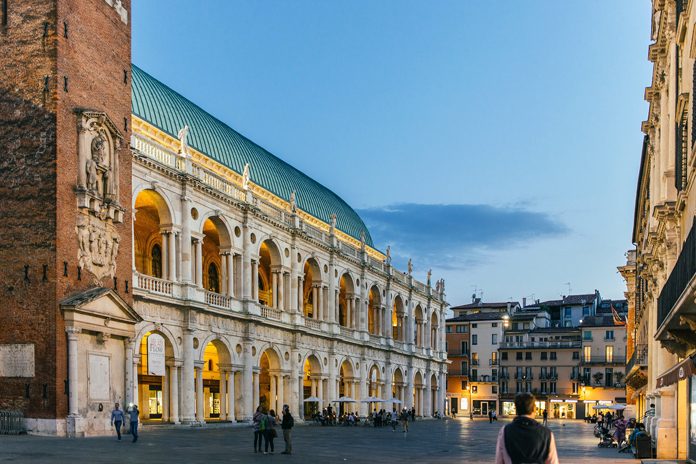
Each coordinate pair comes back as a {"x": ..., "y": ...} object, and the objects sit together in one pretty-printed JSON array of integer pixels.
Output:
[{"x": 665, "y": 237}]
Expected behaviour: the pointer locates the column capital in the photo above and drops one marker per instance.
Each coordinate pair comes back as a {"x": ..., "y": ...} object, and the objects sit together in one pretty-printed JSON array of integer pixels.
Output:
[
  {"x": 73, "y": 331},
  {"x": 198, "y": 364}
]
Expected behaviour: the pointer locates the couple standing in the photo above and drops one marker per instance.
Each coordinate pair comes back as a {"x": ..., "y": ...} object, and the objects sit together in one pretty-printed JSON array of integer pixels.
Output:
[{"x": 265, "y": 429}]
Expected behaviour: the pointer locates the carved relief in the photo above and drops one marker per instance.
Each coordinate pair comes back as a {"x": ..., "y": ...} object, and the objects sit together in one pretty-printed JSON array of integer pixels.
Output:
[{"x": 97, "y": 193}]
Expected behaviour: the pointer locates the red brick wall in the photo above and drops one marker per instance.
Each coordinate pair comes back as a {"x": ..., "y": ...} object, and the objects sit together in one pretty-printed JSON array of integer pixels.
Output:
[{"x": 38, "y": 172}]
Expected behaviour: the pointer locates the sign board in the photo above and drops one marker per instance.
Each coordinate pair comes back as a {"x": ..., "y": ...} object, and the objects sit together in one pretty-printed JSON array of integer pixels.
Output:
[
  {"x": 17, "y": 360},
  {"x": 99, "y": 377},
  {"x": 155, "y": 354}
]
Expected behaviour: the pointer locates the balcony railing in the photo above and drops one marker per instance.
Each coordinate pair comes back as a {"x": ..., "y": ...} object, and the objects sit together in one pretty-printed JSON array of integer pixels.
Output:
[
  {"x": 492, "y": 362},
  {"x": 458, "y": 372},
  {"x": 474, "y": 362},
  {"x": 524, "y": 345},
  {"x": 346, "y": 332},
  {"x": 679, "y": 278},
  {"x": 523, "y": 376},
  {"x": 312, "y": 324},
  {"x": 271, "y": 313},
  {"x": 154, "y": 284},
  {"x": 604, "y": 360},
  {"x": 216, "y": 299},
  {"x": 457, "y": 352},
  {"x": 504, "y": 375},
  {"x": 638, "y": 358}
]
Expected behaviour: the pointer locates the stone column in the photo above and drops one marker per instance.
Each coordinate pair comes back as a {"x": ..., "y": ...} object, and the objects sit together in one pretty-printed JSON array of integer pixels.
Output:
[
  {"x": 408, "y": 400},
  {"x": 295, "y": 392},
  {"x": 363, "y": 394},
  {"x": 281, "y": 290},
  {"x": 136, "y": 363},
  {"x": 165, "y": 394},
  {"x": 256, "y": 393},
  {"x": 165, "y": 253},
  {"x": 246, "y": 265},
  {"x": 388, "y": 387},
  {"x": 332, "y": 306},
  {"x": 200, "y": 401},
  {"x": 332, "y": 390},
  {"x": 73, "y": 379},
  {"x": 230, "y": 274},
  {"x": 389, "y": 308},
  {"x": 320, "y": 392},
  {"x": 174, "y": 393},
  {"x": 187, "y": 380},
  {"x": 281, "y": 394},
  {"x": 320, "y": 306},
  {"x": 230, "y": 397},
  {"x": 248, "y": 405},
  {"x": 199, "y": 261},
  {"x": 223, "y": 395},
  {"x": 274, "y": 279},
  {"x": 130, "y": 374},
  {"x": 255, "y": 281},
  {"x": 171, "y": 267},
  {"x": 315, "y": 302},
  {"x": 185, "y": 239},
  {"x": 299, "y": 380},
  {"x": 273, "y": 402}
]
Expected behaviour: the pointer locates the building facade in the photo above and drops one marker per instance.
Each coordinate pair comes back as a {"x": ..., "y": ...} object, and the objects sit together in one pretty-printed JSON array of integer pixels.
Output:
[
  {"x": 664, "y": 237},
  {"x": 458, "y": 349},
  {"x": 194, "y": 273}
]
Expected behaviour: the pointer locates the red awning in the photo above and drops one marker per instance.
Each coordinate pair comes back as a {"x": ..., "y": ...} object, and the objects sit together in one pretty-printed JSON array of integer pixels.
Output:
[{"x": 681, "y": 371}]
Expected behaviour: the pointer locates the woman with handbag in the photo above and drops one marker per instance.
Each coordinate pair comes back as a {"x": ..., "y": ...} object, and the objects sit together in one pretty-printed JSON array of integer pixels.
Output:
[{"x": 270, "y": 432}]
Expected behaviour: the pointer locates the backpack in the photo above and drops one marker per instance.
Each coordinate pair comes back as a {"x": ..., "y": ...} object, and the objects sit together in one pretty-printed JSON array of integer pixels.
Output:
[{"x": 263, "y": 424}]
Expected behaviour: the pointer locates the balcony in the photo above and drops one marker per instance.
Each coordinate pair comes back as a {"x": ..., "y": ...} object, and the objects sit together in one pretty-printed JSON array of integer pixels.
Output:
[
  {"x": 504, "y": 375},
  {"x": 637, "y": 367},
  {"x": 451, "y": 353},
  {"x": 523, "y": 376},
  {"x": 676, "y": 306},
  {"x": 614, "y": 360},
  {"x": 526, "y": 345},
  {"x": 492, "y": 362},
  {"x": 474, "y": 362},
  {"x": 457, "y": 373}
]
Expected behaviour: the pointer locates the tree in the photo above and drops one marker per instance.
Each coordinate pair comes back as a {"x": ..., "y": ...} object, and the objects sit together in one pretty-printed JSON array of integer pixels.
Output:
[{"x": 598, "y": 376}]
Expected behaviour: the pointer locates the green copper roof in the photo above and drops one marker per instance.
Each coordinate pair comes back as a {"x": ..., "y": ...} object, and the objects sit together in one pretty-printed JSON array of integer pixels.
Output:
[{"x": 165, "y": 109}]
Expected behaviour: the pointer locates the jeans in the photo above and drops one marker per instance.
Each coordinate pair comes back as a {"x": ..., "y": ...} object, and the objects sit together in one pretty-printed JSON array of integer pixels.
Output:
[
  {"x": 268, "y": 435},
  {"x": 288, "y": 440},
  {"x": 117, "y": 424},
  {"x": 134, "y": 430},
  {"x": 258, "y": 439}
]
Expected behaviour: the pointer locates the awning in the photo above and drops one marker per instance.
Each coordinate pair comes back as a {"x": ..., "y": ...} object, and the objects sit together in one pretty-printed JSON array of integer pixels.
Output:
[{"x": 681, "y": 371}]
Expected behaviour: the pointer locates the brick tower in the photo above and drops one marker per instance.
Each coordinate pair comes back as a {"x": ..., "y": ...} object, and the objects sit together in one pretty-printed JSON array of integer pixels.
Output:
[{"x": 65, "y": 204}]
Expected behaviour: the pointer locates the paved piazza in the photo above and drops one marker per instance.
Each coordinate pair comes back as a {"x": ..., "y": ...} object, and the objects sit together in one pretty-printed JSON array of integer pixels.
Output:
[{"x": 431, "y": 441}]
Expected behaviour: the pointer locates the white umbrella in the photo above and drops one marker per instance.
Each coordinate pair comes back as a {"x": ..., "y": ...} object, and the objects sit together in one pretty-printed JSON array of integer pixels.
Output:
[
  {"x": 344, "y": 399},
  {"x": 312, "y": 399},
  {"x": 394, "y": 400},
  {"x": 372, "y": 399}
]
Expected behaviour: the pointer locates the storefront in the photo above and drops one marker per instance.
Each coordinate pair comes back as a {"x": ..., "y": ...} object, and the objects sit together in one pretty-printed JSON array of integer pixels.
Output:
[
  {"x": 509, "y": 408},
  {"x": 481, "y": 407},
  {"x": 563, "y": 409}
]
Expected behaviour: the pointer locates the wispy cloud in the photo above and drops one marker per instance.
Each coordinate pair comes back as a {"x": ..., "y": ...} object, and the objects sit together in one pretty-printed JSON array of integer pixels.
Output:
[{"x": 455, "y": 236}]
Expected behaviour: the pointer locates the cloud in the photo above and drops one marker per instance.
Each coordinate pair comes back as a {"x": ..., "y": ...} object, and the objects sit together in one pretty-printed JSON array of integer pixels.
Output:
[{"x": 455, "y": 236}]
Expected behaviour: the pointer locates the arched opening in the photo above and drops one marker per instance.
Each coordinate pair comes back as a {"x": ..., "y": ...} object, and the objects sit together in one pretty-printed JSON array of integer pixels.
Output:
[
  {"x": 374, "y": 311},
  {"x": 312, "y": 385},
  {"x": 155, "y": 248},
  {"x": 418, "y": 329},
  {"x": 154, "y": 378},
  {"x": 215, "y": 382},
  {"x": 398, "y": 386},
  {"x": 271, "y": 384},
  {"x": 313, "y": 291},
  {"x": 217, "y": 262},
  {"x": 433, "y": 394},
  {"x": 418, "y": 389},
  {"x": 398, "y": 319},
  {"x": 346, "y": 302},
  {"x": 346, "y": 387},
  {"x": 433, "y": 332},
  {"x": 270, "y": 279}
]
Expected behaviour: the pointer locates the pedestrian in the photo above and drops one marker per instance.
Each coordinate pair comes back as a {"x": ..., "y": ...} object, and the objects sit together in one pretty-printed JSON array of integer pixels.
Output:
[
  {"x": 117, "y": 419},
  {"x": 490, "y": 416},
  {"x": 270, "y": 432},
  {"x": 394, "y": 419},
  {"x": 545, "y": 415},
  {"x": 287, "y": 424},
  {"x": 257, "y": 422},
  {"x": 133, "y": 414},
  {"x": 525, "y": 440},
  {"x": 413, "y": 413},
  {"x": 404, "y": 419}
]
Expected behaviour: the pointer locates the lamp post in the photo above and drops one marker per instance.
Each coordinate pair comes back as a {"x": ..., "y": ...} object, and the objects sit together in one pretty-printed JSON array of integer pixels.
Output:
[{"x": 471, "y": 410}]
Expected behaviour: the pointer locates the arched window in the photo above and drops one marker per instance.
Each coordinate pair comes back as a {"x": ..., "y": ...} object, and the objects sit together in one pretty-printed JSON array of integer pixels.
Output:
[
  {"x": 213, "y": 279},
  {"x": 156, "y": 258}
]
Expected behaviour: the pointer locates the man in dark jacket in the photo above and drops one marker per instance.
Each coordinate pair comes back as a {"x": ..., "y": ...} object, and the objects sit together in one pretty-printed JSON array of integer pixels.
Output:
[
  {"x": 286, "y": 425},
  {"x": 525, "y": 440}
]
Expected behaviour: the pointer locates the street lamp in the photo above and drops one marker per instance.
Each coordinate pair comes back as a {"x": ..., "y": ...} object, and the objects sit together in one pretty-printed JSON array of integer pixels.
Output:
[{"x": 471, "y": 411}]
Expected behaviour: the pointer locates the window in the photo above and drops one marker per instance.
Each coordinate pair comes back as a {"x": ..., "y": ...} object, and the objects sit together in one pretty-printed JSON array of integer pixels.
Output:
[
  {"x": 519, "y": 387},
  {"x": 503, "y": 356},
  {"x": 609, "y": 377},
  {"x": 495, "y": 324},
  {"x": 474, "y": 375},
  {"x": 586, "y": 373},
  {"x": 575, "y": 388},
  {"x": 609, "y": 335},
  {"x": 543, "y": 373},
  {"x": 576, "y": 355},
  {"x": 473, "y": 326},
  {"x": 586, "y": 335},
  {"x": 464, "y": 384},
  {"x": 585, "y": 311},
  {"x": 494, "y": 389},
  {"x": 156, "y": 257},
  {"x": 465, "y": 347},
  {"x": 544, "y": 355},
  {"x": 213, "y": 280},
  {"x": 518, "y": 356},
  {"x": 494, "y": 375},
  {"x": 503, "y": 387},
  {"x": 474, "y": 339},
  {"x": 609, "y": 353},
  {"x": 567, "y": 313},
  {"x": 448, "y": 329},
  {"x": 465, "y": 367},
  {"x": 525, "y": 326},
  {"x": 494, "y": 339},
  {"x": 552, "y": 387},
  {"x": 567, "y": 323},
  {"x": 528, "y": 387},
  {"x": 474, "y": 359},
  {"x": 553, "y": 355},
  {"x": 543, "y": 387},
  {"x": 587, "y": 354},
  {"x": 528, "y": 356},
  {"x": 461, "y": 329},
  {"x": 474, "y": 388}
]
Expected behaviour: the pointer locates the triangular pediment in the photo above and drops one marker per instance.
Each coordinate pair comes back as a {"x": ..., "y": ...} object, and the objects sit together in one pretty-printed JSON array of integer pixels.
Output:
[{"x": 101, "y": 302}]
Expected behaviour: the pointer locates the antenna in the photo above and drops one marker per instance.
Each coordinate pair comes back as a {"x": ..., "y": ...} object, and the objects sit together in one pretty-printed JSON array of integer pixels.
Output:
[{"x": 569, "y": 288}]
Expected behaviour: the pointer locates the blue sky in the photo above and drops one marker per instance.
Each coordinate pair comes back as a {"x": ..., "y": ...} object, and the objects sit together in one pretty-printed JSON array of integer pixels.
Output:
[{"x": 494, "y": 142}]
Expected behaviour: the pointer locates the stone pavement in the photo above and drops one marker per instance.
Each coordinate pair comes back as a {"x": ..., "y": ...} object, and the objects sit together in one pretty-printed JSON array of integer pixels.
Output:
[{"x": 431, "y": 441}]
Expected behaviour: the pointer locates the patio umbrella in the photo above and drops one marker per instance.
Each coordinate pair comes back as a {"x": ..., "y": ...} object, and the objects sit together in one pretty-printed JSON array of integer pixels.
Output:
[
  {"x": 394, "y": 400},
  {"x": 312, "y": 399},
  {"x": 344, "y": 399},
  {"x": 372, "y": 399}
]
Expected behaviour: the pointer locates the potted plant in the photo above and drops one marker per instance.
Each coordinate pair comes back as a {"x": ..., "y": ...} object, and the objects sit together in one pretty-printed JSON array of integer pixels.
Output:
[{"x": 597, "y": 377}]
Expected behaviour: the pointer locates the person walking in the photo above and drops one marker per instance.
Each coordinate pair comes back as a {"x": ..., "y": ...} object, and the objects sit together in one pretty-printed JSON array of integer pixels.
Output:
[
  {"x": 270, "y": 432},
  {"x": 257, "y": 422},
  {"x": 286, "y": 425},
  {"x": 117, "y": 419},
  {"x": 134, "y": 414},
  {"x": 404, "y": 420},
  {"x": 545, "y": 415},
  {"x": 490, "y": 416},
  {"x": 525, "y": 440}
]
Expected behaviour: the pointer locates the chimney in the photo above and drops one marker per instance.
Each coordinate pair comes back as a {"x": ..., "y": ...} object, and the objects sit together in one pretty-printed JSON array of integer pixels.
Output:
[{"x": 524, "y": 302}]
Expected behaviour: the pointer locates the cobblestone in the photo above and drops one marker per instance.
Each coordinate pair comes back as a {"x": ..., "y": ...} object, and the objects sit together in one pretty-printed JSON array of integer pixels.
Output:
[{"x": 433, "y": 441}]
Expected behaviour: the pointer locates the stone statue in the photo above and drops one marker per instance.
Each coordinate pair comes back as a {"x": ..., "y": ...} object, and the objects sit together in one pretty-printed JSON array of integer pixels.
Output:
[
  {"x": 183, "y": 139},
  {"x": 430, "y": 273},
  {"x": 442, "y": 285},
  {"x": 293, "y": 202},
  {"x": 333, "y": 222},
  {"x": 97, "y": 157},
  {"x": 410, "y": 266},
  {"x": 246, "y": 175},
  {"x": 437, "y": 287},
  {"x": 362, "y": 240},
  {"x": 99, "y": 149},
  {"x": 388, "y": 258}
]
